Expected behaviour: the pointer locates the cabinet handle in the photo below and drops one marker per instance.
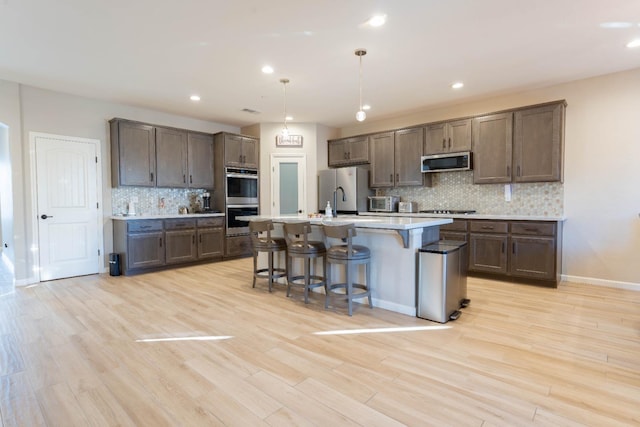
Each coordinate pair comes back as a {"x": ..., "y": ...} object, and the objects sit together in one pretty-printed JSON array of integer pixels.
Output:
[
  {"x": 535, "y": 230},
  {"x": 449, "y": 142},
  {"x": 151, "y": 175},
  {"x": 397, "y": 178},
  {"x": 145, "y": 226},
  {"x": 190, "y": 179},
  {"x": 193, "y": 239},
  {"x": 200, "y": 238},
  {"x": 184, "y": 178},
  {"x": 513, "y": 248},
  {"x": 502, "y": 247},
  {"x": 391, "y": 177},
  {"x": 508, "y": 170},
  {"x": 518, "y": 171},
  {"x": 487, "y": 227},
  {"x": 161, "y": 242},
  {"x": 444, "y": 143}
]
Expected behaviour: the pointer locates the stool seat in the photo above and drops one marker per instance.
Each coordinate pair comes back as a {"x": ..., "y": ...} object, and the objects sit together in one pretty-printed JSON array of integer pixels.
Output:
[
  {"x": 351, "y": 256},
  {"x": 299, "y": 246},
  {"x": 270, "y": 245},
  {"x": 310, "y": 247},
  {"x": 342, "y": 252}
]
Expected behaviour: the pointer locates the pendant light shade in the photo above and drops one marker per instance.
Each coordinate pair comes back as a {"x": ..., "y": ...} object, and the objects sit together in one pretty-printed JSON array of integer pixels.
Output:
[
  {"x": 360, "y": 115},
  {"x": 285, "y": 129}
]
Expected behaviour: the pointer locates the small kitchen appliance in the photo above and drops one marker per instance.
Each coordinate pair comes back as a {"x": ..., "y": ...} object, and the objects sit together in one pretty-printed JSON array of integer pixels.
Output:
[
  {"x": 448, "y": 162},
  {"x": 206, "y": 201},
  {"x": 407, "y": 207},
  {"x": 383, "y": 203}
]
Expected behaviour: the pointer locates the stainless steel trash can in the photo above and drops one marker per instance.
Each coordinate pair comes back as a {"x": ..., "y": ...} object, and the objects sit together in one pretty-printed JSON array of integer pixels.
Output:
[{"x": 442, "y": 280}]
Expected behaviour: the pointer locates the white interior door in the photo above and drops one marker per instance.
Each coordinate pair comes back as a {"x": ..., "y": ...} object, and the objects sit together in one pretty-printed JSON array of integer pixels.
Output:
[
  {"x": 288, "y": 187},
  {"x": 67, "y": 206}
]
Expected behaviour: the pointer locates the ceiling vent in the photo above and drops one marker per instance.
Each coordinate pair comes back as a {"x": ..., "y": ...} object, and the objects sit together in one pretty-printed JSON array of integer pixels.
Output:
[{"x": 250, "y": 111}]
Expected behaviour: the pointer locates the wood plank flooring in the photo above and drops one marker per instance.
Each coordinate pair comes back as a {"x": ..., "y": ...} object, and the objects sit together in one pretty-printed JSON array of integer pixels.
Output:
[{"x": 142, "y": 351}]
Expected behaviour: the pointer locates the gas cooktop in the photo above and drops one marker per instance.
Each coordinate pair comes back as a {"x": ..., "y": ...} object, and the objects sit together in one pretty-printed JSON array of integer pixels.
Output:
[{"x": 449, "y": 211}]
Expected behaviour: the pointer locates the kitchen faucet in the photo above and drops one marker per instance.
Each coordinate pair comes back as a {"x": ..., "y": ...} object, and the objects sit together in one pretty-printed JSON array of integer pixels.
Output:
[{"x": 335, "y": 200}]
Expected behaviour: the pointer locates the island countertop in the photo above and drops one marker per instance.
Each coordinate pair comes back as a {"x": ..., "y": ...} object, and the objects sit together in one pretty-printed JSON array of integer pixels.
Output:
[
  {"x": 361, "y": 221},
  {"x": 165, "y": 216}
]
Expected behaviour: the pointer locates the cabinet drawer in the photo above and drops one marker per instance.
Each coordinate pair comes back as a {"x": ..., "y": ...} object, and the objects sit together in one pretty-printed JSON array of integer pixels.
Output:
[
  {"x": 179, "y": 224},
  {"x": 534, "y": 228},
  {"x": 211, "y": 222},
  {"x": 456, "y": 225},
  {"x": 488, "y": 226},
  {"x": 144, "y": 225}
]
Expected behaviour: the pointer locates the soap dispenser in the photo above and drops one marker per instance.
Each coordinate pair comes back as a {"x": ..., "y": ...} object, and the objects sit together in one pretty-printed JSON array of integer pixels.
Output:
[{"x": 327, "y": 211}]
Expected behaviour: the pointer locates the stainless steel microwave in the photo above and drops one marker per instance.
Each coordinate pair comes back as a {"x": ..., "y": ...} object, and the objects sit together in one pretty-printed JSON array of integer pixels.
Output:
[
  {"x": 383, "y": 203},
  {"x": 446, "y": 162}
]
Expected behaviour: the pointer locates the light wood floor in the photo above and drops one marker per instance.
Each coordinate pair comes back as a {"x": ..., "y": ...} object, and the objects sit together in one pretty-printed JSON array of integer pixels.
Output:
[{"x": 71, "y": 353}]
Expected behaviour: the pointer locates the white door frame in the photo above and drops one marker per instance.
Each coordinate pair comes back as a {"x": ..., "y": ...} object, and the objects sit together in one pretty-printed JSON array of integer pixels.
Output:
[
  {"x": 302, "y": 158},
  {"x": 35, "y": 245}
]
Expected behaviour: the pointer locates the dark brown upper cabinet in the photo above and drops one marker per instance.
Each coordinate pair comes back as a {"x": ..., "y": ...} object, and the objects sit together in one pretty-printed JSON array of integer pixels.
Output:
[
  {"x": 240, "y": 151},
  {"x": 395, "y": 158},
  {"x": 521, "y": 146},
  {"x": 348, "y": 151},
  {"x": 448, "y": 137},
  {"x": 133, "y": 154}
]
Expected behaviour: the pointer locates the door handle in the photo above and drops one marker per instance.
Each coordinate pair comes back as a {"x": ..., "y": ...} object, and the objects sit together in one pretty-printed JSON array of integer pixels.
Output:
[{"x": 45, "y": 216}]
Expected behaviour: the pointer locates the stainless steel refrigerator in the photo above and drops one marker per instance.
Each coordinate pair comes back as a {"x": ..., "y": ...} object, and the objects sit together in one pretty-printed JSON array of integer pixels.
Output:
[{"x": 355, "y": 183}]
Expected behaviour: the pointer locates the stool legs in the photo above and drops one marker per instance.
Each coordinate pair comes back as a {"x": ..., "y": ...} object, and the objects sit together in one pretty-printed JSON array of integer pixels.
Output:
[
  {"x": 306, "y": 276},
  {"x": 349, "y": 285}
]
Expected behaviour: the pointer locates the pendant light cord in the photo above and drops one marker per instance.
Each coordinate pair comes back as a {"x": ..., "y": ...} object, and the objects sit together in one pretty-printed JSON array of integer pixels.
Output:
[{"x": 360, "y": 83}]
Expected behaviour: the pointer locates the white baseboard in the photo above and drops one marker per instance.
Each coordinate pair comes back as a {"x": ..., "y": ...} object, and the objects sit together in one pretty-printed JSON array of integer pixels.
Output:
[
  {"x": 399, "y": 308},
  {"x": 601, "y": 282}
]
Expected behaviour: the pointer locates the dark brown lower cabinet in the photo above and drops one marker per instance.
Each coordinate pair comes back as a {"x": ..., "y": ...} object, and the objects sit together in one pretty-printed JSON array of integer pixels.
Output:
[
  {"x": 238, "y": 246},
  {"x": 519, "y": 249},
  {"x": 147, "y": 245}
]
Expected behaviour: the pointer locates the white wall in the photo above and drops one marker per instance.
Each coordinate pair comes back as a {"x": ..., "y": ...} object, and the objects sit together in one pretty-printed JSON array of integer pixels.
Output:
[
  {"x": 602, "y": 178},
  {"x": 267, "y": 133},
  {"x": 36, "y": 110}
]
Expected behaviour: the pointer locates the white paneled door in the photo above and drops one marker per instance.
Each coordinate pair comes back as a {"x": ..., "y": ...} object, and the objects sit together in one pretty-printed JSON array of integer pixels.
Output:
[{"x": 67, "y": 206}]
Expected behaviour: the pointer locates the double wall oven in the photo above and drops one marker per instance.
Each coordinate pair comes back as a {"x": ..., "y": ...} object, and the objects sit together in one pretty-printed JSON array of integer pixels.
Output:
[{"x": 241, "y": 192}]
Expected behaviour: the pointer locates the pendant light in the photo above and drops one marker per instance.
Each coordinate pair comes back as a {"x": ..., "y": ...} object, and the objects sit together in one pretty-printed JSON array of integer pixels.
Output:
[
  {"x": 285, "y": 129},
  {"x": 360, "y": 115}
]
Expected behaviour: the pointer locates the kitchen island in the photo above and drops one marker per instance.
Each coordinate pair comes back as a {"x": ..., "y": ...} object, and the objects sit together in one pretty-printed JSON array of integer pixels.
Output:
[{"x": 394, "y": 244}]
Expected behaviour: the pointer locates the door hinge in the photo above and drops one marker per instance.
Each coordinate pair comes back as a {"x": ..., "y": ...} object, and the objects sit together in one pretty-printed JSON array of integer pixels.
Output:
[
  {"x": 96, "y": 159},
  {"x": 98, "y": 252},
  {"x": 97, "y": 205}
]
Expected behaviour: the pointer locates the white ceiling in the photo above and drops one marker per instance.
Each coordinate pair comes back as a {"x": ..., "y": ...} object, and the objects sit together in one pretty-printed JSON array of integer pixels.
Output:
[{"x": 155, "y": 53}]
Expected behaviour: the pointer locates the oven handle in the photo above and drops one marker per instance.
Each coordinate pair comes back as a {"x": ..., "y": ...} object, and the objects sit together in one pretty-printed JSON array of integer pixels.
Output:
[
  {"x": 242, "y": 175},
  {"x": 243, "y": 206}
]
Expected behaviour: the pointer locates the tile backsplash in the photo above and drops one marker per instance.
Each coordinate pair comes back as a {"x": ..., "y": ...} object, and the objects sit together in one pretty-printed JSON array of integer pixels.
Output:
[
  {"x": 156, "y": 201},
  {"x": 456, "y": 190}
]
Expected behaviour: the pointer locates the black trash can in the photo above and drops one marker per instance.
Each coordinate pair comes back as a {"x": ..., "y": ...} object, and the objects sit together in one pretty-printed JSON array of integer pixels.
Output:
[{"x": 114, "y": 264}]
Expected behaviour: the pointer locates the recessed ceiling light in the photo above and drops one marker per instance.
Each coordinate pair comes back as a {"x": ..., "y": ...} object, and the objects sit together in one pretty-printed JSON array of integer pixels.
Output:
[
  {"x": 634, "y": 43},
  {"x": 377, "y": 20},
  {"x": 288, "y": 118},
  {"x": 457, "y": 85},
  {"x": 267, "y": 69},
  {"x": 366, "y": 107},
  {"x": 194, "y": 98},
  {"x": 615, "y": 24}
]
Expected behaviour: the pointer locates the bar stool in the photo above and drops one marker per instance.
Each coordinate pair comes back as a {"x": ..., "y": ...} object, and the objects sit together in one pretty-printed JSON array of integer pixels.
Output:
[
  {"x": 267, "y": 244},
  {"x": 299, "y": 246},
  {"x": 351, "y": 256}
]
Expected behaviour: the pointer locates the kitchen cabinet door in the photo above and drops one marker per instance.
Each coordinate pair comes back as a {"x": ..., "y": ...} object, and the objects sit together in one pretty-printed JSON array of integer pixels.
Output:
[
  {"x": 382, "y": 160},
  {"x": 448, "y": 137},
  {"x": 348, "y": 151},
  {"x": 407, "y": 152},
  {"x": 171, "y": 158},
  {"x": 237, "y": 246},
  {"x": 145, "y": 250},
  {"x": 533, "y": 257},
  {"x": 538, "y": 144},
  {"x": 210, "y": 242},
  {"x": 492, "y": 148},
  {"x": 488, "y": 253},
  {"x": 240, "y": 151},
  {"x": 200, "y": 160},
  {"x": 180, "y": 246},
  {"x": 133, "y": 154}
]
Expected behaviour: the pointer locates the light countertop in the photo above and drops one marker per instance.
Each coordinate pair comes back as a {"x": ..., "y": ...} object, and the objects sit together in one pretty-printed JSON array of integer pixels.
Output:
[
  {"x": 470, "y": 216},
  {"x": 360, "y": 221},
  {"x": 165, "y": 216}
]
